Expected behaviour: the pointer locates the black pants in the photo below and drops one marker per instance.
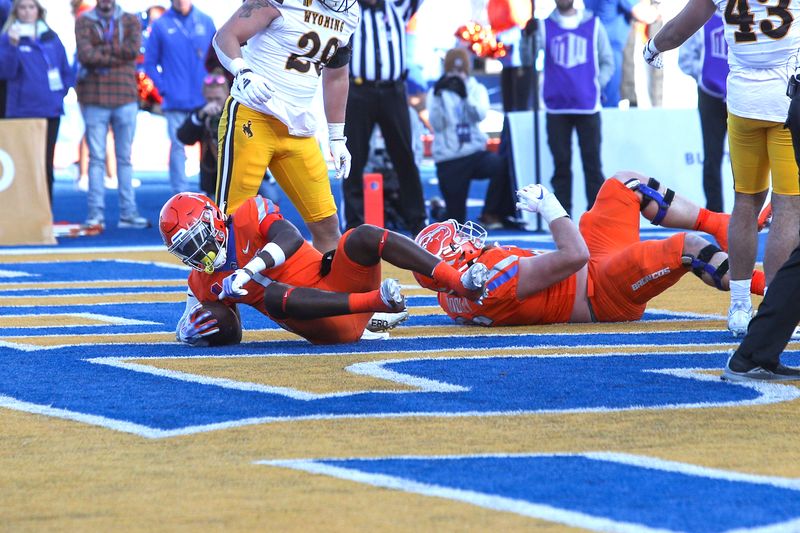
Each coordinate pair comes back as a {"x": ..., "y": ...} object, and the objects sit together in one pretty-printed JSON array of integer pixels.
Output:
[
  {"x": 772, "y": 327},
  {"x": 387, "y": 107},
  {"x": 516, "y": 86},
  {"x": 50, "y": 151},
  {"x": 714, "y": 125},
  {"x": 559, "y": 138},
  {"x": 455, "y": 176}
]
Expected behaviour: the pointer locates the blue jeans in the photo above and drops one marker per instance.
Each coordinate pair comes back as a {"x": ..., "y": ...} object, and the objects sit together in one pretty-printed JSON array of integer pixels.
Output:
[
  {"x": 177, "y": 151},
  {"x": 123, "y": 124}
]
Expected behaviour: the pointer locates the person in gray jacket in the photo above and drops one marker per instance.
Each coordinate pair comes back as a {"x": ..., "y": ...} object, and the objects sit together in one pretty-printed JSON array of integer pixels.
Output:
[
  {"x": 578, "y": 62},
  {"x": 457, "y": 103}
]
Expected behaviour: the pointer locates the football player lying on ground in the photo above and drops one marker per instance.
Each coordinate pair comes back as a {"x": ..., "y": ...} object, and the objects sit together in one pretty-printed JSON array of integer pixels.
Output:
[
  {"x": 258, "y": 258},
  {"x": 600, "y": 273}
]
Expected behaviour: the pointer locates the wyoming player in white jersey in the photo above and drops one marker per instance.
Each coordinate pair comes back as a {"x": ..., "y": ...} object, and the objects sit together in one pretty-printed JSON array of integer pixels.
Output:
[
  {"x": 763, "y": 40},
  {"x": 279, "y": 52}
]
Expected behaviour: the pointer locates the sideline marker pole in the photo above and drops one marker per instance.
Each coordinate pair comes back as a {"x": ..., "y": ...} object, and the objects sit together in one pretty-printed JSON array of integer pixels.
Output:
[{"x": 373, "y": 199}]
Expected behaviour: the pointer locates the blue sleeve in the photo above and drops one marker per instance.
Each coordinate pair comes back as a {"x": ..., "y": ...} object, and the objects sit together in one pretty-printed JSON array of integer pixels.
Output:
[
  {"x": 9, "y": 59},
  {"x": 152, "y": 56},
  {"x": 67, "y": 72}
]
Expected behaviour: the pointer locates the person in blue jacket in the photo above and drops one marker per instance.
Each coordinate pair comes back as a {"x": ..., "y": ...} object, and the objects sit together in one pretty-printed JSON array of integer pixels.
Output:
[
  {"x": 38, "y": 75},
  {"x": 174, "y": 58},
  {"x": 5, "y": 9}
]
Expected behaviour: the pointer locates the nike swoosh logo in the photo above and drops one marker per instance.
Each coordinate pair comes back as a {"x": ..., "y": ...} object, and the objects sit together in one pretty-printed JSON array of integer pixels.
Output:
[
  {"x": 541, "y": 195},
  {"x": 246, "y": 248}
]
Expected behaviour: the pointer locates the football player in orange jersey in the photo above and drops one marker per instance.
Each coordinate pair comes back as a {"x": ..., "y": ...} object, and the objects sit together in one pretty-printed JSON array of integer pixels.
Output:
[
  {"x": 601, "y": 272},
  {"x": 258, "y": 258}
]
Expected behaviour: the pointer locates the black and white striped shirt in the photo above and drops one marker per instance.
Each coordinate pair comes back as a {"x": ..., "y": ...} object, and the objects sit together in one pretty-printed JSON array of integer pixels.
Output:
[{"x": 379, "y": 42}]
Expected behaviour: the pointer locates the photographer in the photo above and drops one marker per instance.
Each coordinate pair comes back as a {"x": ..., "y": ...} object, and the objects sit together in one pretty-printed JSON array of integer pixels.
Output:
[
  {"x": 457, "y": 103},
  {"x": 201, "y": 126}
]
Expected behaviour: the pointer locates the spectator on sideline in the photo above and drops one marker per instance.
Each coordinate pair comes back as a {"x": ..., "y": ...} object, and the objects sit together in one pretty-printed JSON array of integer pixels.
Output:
[
  {"x": 34, "y": 64},
  {"x": 761, "y": 56},
  {"x": 202, "y": 126},
  {"x": 269, "y": 122},
  {"x": 707, "y": 62},
  {"x": 456, "y": 105},
  {"x": 5, "y": 9},
  {"x": 378, "y": 96},
  {"x": 616, "y": 16},
  {"x": 516, "y": 78},
  {"x": 175, "y": 60},
  {"x": 573, "y": 81},
  {"x": 107, "y": 41}
]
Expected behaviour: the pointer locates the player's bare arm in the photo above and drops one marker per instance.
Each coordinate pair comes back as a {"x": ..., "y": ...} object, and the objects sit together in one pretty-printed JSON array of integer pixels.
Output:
[
  {"x": 684, "y": 25},
  {"x": 541, "y": 271},
  {"x": 335, "y": 86},
  {"x": 251, "y": 17}
]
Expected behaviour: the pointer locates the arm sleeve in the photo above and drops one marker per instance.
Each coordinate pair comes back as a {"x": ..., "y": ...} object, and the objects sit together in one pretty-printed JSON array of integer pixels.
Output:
[
  {"x": 132, "y": 40},
  {"x": 190, "y": 131},
  {"x": 605, "y": 56},
  {"x": 436, "y": 115},
  {"x": 690, "y": 54},
  {"x": 90, "y": 54},
  {"x": 9, "y": 59},
  {"x": 477, "y": 103}
]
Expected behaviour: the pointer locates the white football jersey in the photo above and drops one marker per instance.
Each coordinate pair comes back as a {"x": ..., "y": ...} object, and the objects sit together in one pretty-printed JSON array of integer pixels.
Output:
[
  {"x": 760, "y": 34},
  {"x": 291, "y": 53},
  {"x": 763, "y": 41}
]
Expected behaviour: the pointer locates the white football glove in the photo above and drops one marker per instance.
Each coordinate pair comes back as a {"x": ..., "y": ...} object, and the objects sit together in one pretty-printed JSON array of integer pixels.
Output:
[
  {"x": 198, "y": 324},
  {"x": 537, "y": 199},
  {"x": 254, "y": 87},
  {"x": 339, "y": 151},
  {"x": 233, "y": 285},
  {"x": 652, "y": 55}
]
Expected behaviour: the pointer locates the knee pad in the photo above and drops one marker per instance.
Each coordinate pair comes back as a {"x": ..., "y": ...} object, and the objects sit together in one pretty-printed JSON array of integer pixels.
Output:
[
  {"x": 649, "y": 194},
  {"x": 701, "y": 264}
]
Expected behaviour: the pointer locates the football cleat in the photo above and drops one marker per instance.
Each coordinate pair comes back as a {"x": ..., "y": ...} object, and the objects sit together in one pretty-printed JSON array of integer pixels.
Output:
[
  {"x": 391, "y": 295},
  {"x": 739, "y": 316},
  {"x": 386, "y": 321}
]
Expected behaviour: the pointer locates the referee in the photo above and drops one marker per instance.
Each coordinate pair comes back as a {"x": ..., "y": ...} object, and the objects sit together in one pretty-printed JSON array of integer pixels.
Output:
[{"x": 378, "y": 96}]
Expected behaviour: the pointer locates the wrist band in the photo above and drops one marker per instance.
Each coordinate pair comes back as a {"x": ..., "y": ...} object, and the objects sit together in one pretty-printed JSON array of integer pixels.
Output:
[
  {"x": 237, "y": 65},
  {"x": 336, "y": 131},
  {"x": 276, "y": 252}
]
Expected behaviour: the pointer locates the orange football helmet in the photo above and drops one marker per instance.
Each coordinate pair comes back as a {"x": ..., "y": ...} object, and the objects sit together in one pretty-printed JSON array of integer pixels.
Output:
[
  {"x": 457, "y": 244},
  {"x": 193, "y": 229}
]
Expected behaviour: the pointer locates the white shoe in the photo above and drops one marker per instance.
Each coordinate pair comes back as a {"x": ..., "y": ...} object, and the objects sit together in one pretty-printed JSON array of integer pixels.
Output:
[
  {"x": 386, "y": 321},
  {"x": 135, "y": 222},
  {"x": 391, "y": 295},
  {"x": 739, "y": 316},
  {"x": 82, "y": 184},
  {"x": 374, "y": 335},
  {"x": 95, "y": 222},
  {"x": 111, "y": 182}
]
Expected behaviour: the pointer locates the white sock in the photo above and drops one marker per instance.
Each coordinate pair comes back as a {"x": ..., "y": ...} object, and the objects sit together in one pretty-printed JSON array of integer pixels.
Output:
[{"x": 740, "y": 291}]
